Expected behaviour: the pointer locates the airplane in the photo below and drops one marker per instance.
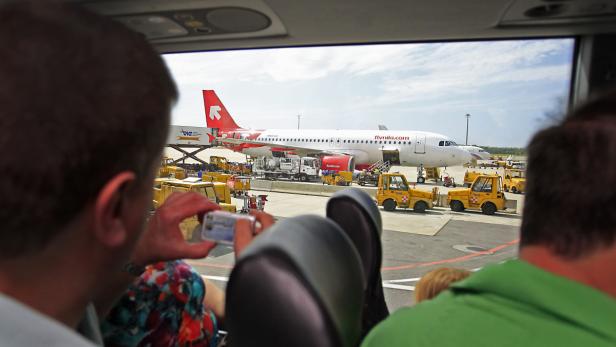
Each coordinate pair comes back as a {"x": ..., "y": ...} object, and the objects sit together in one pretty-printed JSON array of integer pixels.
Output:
[
  {"x": 478, "y": 153},
  {"x": 340, "y": 150}
]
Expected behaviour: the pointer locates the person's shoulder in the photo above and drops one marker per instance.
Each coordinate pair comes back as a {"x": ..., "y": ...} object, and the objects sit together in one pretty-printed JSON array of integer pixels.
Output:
[
  {"x": 24, "y": 326},
  {"x": 412, "y": 325}
]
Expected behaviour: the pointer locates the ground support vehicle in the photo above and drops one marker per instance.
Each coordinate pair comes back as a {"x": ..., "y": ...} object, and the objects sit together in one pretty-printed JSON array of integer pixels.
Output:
[
  {"x": 394, "y": 191},
  {"x": 293, "y": 168},
  {"x": 448, "y": 181},
  {"x": 240, "y": 168},
  {"x": 219, "y": 163},
  {"x": 216, "y": 177},
  {"x": 515, "y": 181},
  {"x": 469, "y": 177},
  {"x": 368, "y": 178},
  {"x": 485, "y": 194},
  {"x": 168, "y": 170},
  {"x": 253, "y": 202},
  {"x": 337, "y": 178},
  {"x": 239, "y": 185},
  {"x": 164, "y": 187}
]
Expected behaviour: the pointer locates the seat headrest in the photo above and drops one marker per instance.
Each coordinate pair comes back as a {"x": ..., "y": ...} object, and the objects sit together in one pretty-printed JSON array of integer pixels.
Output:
[
  {"x": 363, "y": 200},
  {"x": 358, "y": 215},
  {"x": 298, "y": 284}
]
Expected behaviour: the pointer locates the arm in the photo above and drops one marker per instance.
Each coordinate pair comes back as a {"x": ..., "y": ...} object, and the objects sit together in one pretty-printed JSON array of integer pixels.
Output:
[
  {"x": 162, "y": 240},
  {"x": 214, "y": 299}
]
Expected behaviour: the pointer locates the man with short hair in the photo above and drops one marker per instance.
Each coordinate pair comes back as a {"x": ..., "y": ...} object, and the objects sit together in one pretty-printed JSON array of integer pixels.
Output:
[
  {"x": 84, "y": 109},
  {"x": 562, "y": 290}
]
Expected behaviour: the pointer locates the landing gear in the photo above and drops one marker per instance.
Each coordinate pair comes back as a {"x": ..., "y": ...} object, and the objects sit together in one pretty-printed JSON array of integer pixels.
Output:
[{"x": 420, "y": 174}]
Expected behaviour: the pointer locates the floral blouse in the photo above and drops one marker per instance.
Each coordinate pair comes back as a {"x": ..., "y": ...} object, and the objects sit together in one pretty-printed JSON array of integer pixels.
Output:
[{"x": 163, "y": 308}]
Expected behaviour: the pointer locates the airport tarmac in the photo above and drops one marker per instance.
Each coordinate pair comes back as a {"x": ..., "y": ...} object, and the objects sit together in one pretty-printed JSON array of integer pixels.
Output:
[{"x": 412, "y": 243}]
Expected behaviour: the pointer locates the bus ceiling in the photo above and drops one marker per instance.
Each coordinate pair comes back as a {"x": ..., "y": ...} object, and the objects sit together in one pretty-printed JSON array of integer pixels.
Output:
[
  {"x": 206, "y": 25},
  {"x": 200, "y": 25}
]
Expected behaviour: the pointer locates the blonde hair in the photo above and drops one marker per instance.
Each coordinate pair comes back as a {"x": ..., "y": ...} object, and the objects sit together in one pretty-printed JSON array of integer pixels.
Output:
[{"x": 435, "y": 281}]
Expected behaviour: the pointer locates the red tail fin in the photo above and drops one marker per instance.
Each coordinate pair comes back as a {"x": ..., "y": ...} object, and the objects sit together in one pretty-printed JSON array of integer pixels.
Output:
[{"x": 216, "y": 113}]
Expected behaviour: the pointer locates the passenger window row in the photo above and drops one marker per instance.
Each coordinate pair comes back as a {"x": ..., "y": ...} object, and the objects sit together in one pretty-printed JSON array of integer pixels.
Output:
[{"x": 346, "y": 141}]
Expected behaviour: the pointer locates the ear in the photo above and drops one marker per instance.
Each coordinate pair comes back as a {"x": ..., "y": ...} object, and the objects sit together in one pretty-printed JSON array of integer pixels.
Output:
[{"x": 109, "y": 225}]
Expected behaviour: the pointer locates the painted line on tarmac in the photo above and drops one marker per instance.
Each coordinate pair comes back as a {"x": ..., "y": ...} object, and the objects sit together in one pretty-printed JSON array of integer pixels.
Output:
[
  {"x": 201, "y": 263},
  {"x": 398, "y": 286},
  {"x": 452, "y": 260},
  {"x": 216, "y": 278},
  {"x": 404, "y": 280},
  {"x": 386, "y": 284}
]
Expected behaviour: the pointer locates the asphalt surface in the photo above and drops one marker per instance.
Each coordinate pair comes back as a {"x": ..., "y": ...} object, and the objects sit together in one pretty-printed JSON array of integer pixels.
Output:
[{"x": 407, "y": 256}]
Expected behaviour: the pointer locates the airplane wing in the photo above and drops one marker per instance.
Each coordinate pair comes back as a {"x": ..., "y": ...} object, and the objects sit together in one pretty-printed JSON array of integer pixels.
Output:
[{"x": 299, "y": 150}]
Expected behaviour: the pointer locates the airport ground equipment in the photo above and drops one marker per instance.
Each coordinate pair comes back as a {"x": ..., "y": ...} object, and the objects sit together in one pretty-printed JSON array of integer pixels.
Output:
[
  {"x": 337, "y": 178},
  {"x": 240, "y": 168},
  {"x": 164, "y": 187},
  {"x": 222, "y": 164},
  {"x": 485, "y": 194},
  {"x": 239, "y": 185},
  {"x": 448, "y": 181},
  {"x": 427, "y": 173},
  {"x": 219, "y": 163},
  {"x": 380, "y": 166},
  {"x": 189, "y": 141},
  {"x": 213, "y": 176},
  {"x": 368, "y": 178},
  {"x": 220, "y": 181},
  {"x": 470, "y": 176},
  {"x": 168, "y": 170},
  {"x": 515, "y": 181},
  {"x": 394, "y": 191},
  {"x": 293, "y": 168},
  {"x": 253, "y": 202}
]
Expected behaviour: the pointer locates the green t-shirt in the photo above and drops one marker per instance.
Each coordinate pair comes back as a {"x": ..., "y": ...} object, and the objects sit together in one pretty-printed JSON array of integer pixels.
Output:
[{"x": 508, "y": 304}]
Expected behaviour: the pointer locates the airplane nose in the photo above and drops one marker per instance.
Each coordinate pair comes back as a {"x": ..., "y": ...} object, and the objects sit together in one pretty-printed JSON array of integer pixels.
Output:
[{"x": 465, "y": 156}]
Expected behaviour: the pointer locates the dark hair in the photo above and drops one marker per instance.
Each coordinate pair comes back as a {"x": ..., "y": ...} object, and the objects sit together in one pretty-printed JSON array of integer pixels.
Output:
[
  {"x": 82, "y": 98},
  {"x": 571, "y": 182}
]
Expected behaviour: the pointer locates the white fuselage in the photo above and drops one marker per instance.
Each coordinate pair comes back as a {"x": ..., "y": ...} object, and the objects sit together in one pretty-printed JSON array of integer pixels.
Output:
[{"x": 413, "y": 148}]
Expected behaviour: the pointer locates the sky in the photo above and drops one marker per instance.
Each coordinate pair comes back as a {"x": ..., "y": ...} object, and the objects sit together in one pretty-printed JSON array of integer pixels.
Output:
[{"x": 506, "y": 87}]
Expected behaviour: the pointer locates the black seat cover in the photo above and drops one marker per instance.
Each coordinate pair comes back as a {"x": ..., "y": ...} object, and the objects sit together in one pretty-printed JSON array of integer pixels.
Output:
[
  {"x": 298, "y": 284},
  {"x": 358, "y": 215}
]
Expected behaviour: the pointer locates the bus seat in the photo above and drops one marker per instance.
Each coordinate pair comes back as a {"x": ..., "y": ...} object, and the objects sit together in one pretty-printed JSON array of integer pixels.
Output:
[
  {"x": 358, "y": 215},
  {"x": 298, "y": 284}
]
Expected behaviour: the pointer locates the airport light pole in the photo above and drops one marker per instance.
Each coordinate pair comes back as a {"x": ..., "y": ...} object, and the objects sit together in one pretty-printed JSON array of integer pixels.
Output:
[
  {"x": 468, "y": 116},
  {"x": 298, "y": 118}
]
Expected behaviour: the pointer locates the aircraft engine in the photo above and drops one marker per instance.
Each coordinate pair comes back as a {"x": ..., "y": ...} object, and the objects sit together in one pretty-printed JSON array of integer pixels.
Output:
[{"x": 338, "y": 163}]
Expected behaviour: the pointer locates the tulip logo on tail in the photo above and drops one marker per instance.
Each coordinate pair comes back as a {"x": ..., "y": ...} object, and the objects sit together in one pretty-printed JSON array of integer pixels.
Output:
[{"x": 214, "y": 112}]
